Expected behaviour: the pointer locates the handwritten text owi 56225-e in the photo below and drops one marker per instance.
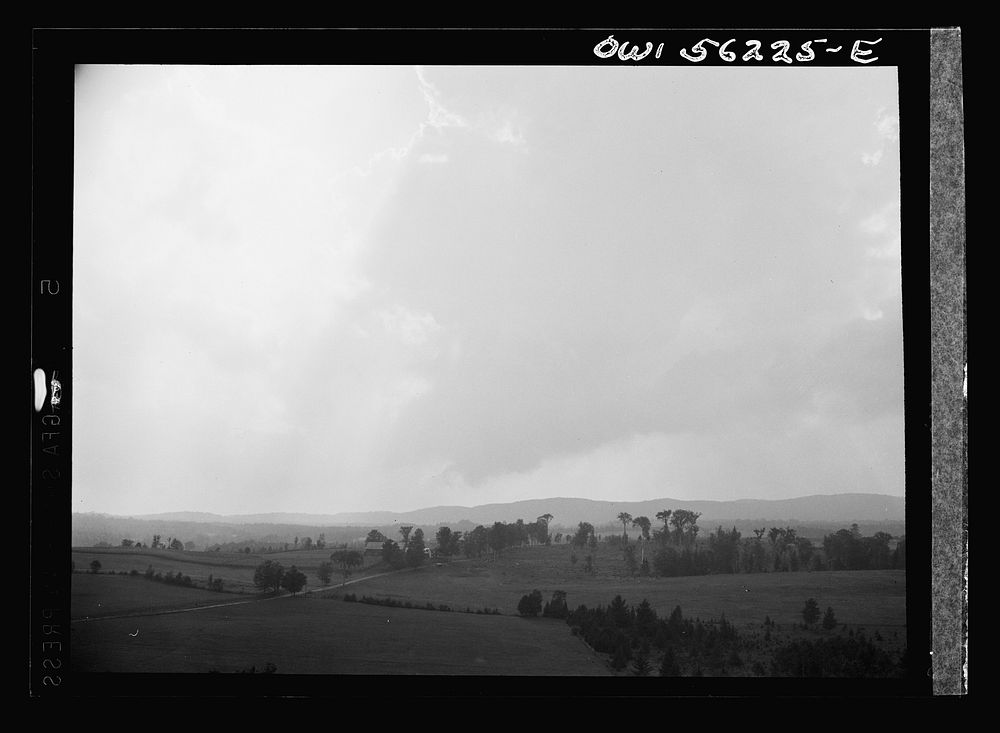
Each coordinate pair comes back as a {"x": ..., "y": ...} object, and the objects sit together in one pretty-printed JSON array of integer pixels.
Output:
[{"x": 750, "y": 51}]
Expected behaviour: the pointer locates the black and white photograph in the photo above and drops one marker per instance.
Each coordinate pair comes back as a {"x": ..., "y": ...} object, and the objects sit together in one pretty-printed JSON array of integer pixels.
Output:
[{"x": 460, "y": 370}]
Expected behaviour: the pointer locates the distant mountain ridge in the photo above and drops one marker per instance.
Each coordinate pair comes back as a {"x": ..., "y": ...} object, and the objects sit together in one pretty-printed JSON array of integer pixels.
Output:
[{"x": 571, "y": 511}]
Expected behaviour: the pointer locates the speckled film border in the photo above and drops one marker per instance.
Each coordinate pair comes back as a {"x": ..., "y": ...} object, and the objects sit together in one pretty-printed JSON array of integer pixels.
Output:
[{"x": 949, "y": 482}]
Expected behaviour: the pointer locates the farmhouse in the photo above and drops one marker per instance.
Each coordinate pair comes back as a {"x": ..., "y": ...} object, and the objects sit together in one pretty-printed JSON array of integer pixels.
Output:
[{"x": 373, "y": 548}]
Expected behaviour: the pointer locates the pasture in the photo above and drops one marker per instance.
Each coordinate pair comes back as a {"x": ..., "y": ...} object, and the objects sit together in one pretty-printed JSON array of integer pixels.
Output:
[
  {"x": 318, "y": 633},
  {"x": 313, "y": 635},
  {"x": 235, "y": 568},
  {"x": 871, "y": 598},
  {"x": 96, "y": 596}
]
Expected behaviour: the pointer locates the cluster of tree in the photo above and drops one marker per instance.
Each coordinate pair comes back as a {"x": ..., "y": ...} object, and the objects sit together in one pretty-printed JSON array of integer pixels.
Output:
[
  {"x": 346, "y": 559},
  {"x": 411, "y": 554},
  {"x": 271, "y": 576},
  {"x": 677, "y": 550},
  {"x": 846, "y": 549},
  {"x": 630, "y": 633},
  {"x": 838, "y": 656},
  {"x": 503, "y": 535},
  {"x": 170, "y": 578},
  {"x": 262, "y": 548},
  {"x": 530, "y": 605},
  {"x": 449, "y": 543},
  {"x": 810, "y": 615},
  {"x": 680, "y": 528},
  {"x": 584, "y": 536},
  {"x": 777, "y": 549},
  {"x": 474, "y": 543},
  {"x": 172, "y": 543},
  {"x": 557, "y": 607},
  {"x": 307, "y": 543},
  {"x": 726, "y": 551}
]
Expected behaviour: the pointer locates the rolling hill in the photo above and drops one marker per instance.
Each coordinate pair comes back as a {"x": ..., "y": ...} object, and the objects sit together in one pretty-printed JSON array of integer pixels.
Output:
[
  {"x": 570, "y": 511},
  {"x": 823, "y": 513}
]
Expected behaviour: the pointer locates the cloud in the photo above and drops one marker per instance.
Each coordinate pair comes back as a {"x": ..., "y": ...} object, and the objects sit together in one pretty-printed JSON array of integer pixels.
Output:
[
  {"x": 508, "y": 134},
  {"x": 880, "y": 277},
  {"x": 408, "y": 326},
  {"x": 433, "y": 158},
  {"x": 876, "y": 223},
  {"x": 437, "y": 119},
  {"x": 887, "y": 131},
  {"x": 887, "y": 124},
  {"x": 383, "y": 310},
  {"x": 872, "y": 159},
  {"x": 438, "y": 116}
]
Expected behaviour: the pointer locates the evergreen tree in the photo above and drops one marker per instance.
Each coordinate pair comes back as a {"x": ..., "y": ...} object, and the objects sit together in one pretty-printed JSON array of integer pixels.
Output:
[
  {"x": 642, "y": 666},
  {"x": 669, "y": 666},
  {"x": 810, "y": 613}
]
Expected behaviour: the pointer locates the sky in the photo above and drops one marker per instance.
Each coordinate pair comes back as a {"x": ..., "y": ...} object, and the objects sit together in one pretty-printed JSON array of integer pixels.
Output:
[{"x": 326, "y": 289}]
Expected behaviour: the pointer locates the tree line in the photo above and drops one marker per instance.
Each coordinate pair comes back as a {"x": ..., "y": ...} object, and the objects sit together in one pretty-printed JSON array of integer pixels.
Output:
[
  {"x": 676, "y": 549},
  {"x": 172, "y": 543},
  {"x": 482, "y": 541},
  {"x": 640, "y": 642}
]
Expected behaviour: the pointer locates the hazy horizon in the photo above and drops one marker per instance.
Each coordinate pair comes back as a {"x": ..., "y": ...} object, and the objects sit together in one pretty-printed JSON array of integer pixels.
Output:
[
  {"x": 488, "y": 504},
  {"x": 349, "y": 289}
]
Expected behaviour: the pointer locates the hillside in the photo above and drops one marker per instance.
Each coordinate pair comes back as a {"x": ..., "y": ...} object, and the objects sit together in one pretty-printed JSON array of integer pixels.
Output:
[
  {"x": 820, "y": 513},
  {"x": 570, "y": 511}
]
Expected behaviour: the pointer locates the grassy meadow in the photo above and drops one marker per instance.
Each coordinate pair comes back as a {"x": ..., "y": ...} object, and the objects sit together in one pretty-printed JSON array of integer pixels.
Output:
[
  {"x": 312, "y": 635},
  {"x": 872, "y": 598},
  {"x": 125, "y": 623},
  {"x": 235, "y": 568}
]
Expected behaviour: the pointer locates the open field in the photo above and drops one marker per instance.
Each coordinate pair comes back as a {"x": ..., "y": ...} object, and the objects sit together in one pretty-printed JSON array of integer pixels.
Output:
[
  {"x": 95, "y": 596},
  {"x": 500, "y": 584},
  {"x": 312, "y": 635},
  {"x": 872, "y": 598},
  {"x": 235, "y": 568},
  {"x": 321, "y": 634}
]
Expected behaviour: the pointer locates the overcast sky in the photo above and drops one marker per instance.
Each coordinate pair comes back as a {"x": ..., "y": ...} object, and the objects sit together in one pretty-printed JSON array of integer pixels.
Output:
[{"x": 326, "y": 289}]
